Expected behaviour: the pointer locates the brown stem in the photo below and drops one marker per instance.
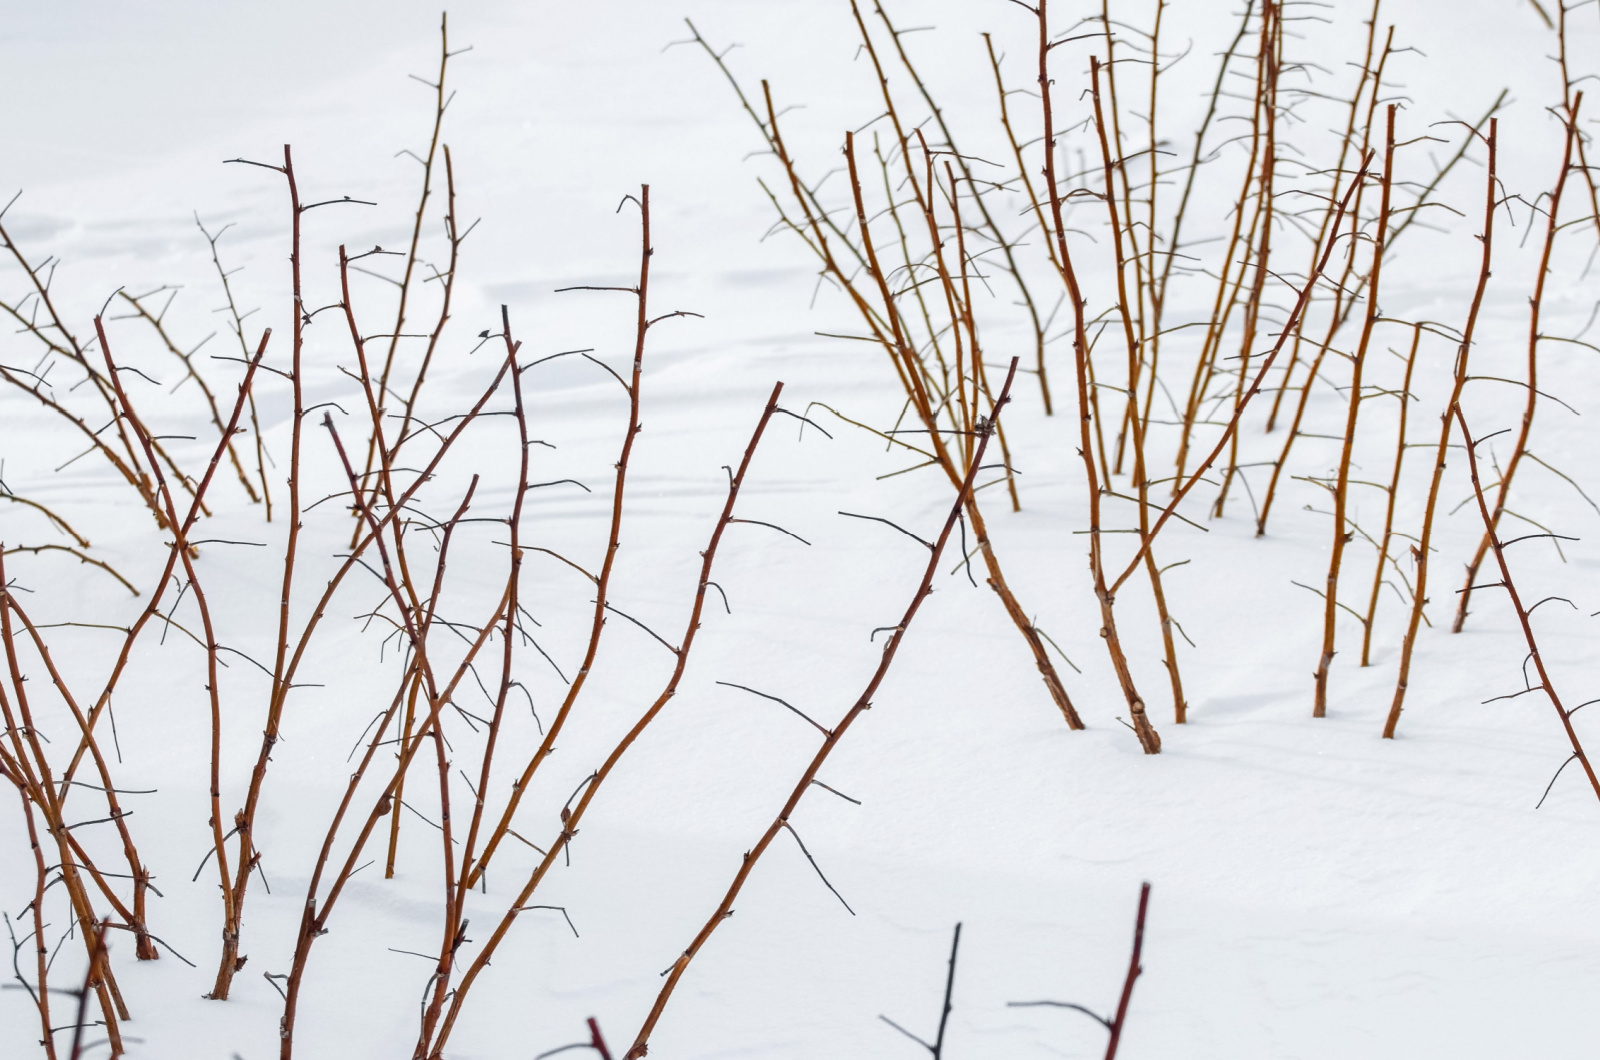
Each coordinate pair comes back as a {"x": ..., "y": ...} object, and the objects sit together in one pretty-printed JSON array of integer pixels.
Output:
[
  {"x": 1270, "y": 65},
  {"x": 441, "y": 101},
  {"x": 28, "y": 763},
  {"x": 725, "y": 908},
  {"x": 134, "y": 918},
  {"x": 1516, "y": 602},
  {"x": 190, "y": 372},
  {"x": 1229, "y": 283},
  {"x": 980, "y": 374},
  {"x": 244, "y": 821},
  {"x": 1393, "y": 492},
  {"x": 313, "y": 921},
  {"x": 447, "y": 281},
  {"x": 990, "y": 227},
  {"x": 1423, "y": 548},
  {"x": 53, "y": 334},
  {"x": 236, "y": 321},
  {"x": 1346, "y": 141},
  {"x": 1345, "y": 300},
  {"x": 91, "y": 976},
  {"x": 145, "y": 948},
  {"x": 571, "y": 819},
  {"x": 455, "y": 926},
  {"x": 152, "y": 609},
  {"x": 1330, "y": 598},
  {"x": 911, "y": 373},
  {"x": 384, "y": 455},
  {"x": 1570, "y": 101},
  {"x": 135, "y": 477},
  {"x": 966, "y": 400},
  {"x": 613, "y": 543},
  {"x": 1133, "y": 418},
  {"x": 996, "y": 580},
  {"x": 80, "y": 557},
  {"x": 1534, "y": 305},
  {"x": 814, "y": 227},
  {"x": 455, "y": 905},
  {"x": 911, "y": 264},
  {"x": 1149, "y": 740},
  {"x": 1255, "y": 386},
  {"x": 1345, "y": 292},
  {"x": 1129, "y": 232},
  {"x": 186, "y": 555},
  {"x": 410, "y": 689},
  {"x": 41, "y": 991},
  {"x": 1151, "y": 327},
  {"x": 60, "y": 523}
]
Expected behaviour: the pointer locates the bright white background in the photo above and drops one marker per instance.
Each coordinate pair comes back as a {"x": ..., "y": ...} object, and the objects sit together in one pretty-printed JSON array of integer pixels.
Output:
[{"x": 1318, "y": 893}]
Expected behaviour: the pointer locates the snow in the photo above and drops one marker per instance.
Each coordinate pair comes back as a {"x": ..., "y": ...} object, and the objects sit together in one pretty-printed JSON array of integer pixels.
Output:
[{"x": 1317, "y": 892}]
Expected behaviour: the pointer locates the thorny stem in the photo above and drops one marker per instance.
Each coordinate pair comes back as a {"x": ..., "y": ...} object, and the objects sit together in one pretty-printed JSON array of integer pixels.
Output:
[
  {"x": 44, "y": 794},
  {"x": 1152, "y": 325},
  {"x": 1133, "y": 420},
  {"x": 1261, "y": 374},
  {"x": 384, "y": 454},
  {"x": 1149, "y": 740},
  {"x": 1535, "y": 303},
  {"x": 455, "y": 905},
  {"x": 1229, "y": 283},
  {"x": 447, "y": 283},
  {"x": 1346, "y": 141},
  {"x": 1129, "y": 230},
  {"x": 1393, "y": 494},
  {"x": 1270, "y": 66},
  {"x": 41, "y": 997},
  {"x": 134, "y": 917},
  {"x": 186, "y": 555},
  {"x": 613, "y": 543},
  {"x": 152, "y": 609},
  {"x": 237, "y": 326},
  {"x": 157, "y": 323},
  {"x": 1516, "y": 602},
  {"x": 1423, "y": 549},
  {"x": 441, "y": 102},
  {"x": 312, "y": 921},
  {"x": 1341, "y": 491},
  {"x": 127, "y": 463},
  {"x": 888, "y": 332},
  {"x": 26, "y": 761},
  {"x": 1007, "y": 247},
  {"x": 417, "y": 620},
  {"x": 571, "y": 819},
  {"x": 864, "y": 702},
  {"x": 244, "y": 819},
  {"x": 1345, "y": 292}
]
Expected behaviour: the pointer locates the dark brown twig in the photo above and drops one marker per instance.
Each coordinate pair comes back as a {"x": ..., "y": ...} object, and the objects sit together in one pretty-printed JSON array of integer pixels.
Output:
[
  {"x": 936, "y": 1047},
  {"x": 1117, "y": 1022}
]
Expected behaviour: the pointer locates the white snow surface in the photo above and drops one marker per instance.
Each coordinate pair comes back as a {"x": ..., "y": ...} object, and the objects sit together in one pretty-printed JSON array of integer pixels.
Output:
[{"x": 1318, "y": 892}]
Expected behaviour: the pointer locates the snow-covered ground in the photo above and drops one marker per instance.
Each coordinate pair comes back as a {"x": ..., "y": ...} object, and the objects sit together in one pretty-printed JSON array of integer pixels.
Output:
[{"x": 1318, "y": 892}]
